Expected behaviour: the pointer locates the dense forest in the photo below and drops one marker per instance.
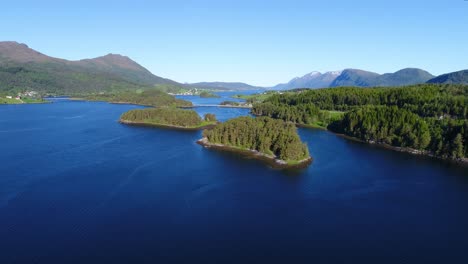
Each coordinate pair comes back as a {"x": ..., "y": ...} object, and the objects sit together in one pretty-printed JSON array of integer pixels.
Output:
[
  {"x": 426, "y": 117},
  {"x": 305, "y": 114},
  {"x": 424, "y": 100},
  {"x": 264, "y": 134},
  {"x": 147, "y": 98},
  {"x": 168, "y": 116}
]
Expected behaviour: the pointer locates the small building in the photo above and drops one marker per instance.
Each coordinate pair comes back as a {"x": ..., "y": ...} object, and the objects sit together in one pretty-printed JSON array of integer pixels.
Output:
[{"x": 9, "y": 96}]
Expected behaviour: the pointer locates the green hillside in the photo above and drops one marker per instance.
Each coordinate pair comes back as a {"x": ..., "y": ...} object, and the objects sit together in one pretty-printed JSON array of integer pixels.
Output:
[{"x": 22, "y": 68}]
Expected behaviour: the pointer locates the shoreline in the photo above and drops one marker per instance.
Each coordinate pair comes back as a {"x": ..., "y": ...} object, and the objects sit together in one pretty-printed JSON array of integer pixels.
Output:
[
  {"x": 271, "y": 160},
  {"x": 424, "y": 153},
  {"x": 462, "y": 161},
  {"x": 221, "y": 106},
  {"x": 235, "y": 106},
  {"x": 26, "y": 103},
  {"x": 133, "y": 123}
]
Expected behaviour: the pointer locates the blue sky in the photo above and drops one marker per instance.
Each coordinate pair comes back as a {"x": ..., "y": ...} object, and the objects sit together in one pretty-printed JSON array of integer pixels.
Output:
[{"x": 258, "y": 42}]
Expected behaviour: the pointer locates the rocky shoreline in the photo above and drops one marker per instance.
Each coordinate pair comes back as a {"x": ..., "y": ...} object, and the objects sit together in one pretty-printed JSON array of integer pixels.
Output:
[{"x": 272, "y": 160}]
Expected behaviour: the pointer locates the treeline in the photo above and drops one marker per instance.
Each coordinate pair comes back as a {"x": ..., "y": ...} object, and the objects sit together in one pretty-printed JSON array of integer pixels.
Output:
[
  {"x": 449, "y": 137},
  {"x": 167, "y": 116},
  {"x": 426, "y": 117},
  {"x": 307, "y": 114},
  {"x": 399, "y": 127},
  {"x": 427, "y": 100},
  {"x": 147, "y": 98},
  {"x": 266, "y": 135}
]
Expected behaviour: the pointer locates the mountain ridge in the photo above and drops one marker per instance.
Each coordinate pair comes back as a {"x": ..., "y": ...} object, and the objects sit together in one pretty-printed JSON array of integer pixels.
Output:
[
  {"x": 225, "y": 86},
  {"x": 451, "y": 77},
  {"x": 357, "y": 78},
  {"x": 23, "y": 68}
]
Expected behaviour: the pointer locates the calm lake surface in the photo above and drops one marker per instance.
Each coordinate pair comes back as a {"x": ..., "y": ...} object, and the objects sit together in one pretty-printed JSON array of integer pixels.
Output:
[{"x": 78, "y": 187}]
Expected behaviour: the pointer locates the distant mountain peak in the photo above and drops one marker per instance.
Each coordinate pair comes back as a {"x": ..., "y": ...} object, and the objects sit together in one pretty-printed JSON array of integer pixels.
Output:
[
  {"x": 314, "y": 73},
  {"x": 357, "y": 77},
  {"x": 314, "y": 79},
  {"x": 460, "y": 77},
  {"x": 20, "y": 52},
  {"x": 113, "y": 60},
  {"x": 334, "y": 72},
  {"x": 361, "y": 78}
]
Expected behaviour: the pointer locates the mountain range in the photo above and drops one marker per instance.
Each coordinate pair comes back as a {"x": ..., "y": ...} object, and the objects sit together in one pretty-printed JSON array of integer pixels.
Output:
[
  {"x": 453, "y": 77},
  {"x": 225, "y": 86},
  {"x": 22, "y": 68},
  {"x": 359, "y": 78}
]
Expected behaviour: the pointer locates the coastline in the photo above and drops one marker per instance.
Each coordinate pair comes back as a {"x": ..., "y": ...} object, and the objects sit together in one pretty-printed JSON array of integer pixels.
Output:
[
  {"x": 272, "y": 160},
  {"x": 222, "y": 106},
  {"x": 462, "y": 161},
  {"x": 166, "y": 126},
  {"x": 26, "y": 103}
]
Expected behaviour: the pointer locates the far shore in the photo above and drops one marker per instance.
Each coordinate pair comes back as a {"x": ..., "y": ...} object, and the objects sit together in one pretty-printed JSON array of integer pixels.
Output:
[{"x": 272, "y": 160}]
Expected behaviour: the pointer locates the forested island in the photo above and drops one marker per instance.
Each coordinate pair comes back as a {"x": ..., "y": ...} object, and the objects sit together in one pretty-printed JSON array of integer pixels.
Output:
[
  {"x": 235, "y": 104},
  {"x": 256, "y": 98},
  {"x": 168, "y": 117},
  {"x": 426, "y": 119},
  {"x": 263, "y": 137},
  {"x": 206, "y": 94},
  {"x": 146, "y": 98}
]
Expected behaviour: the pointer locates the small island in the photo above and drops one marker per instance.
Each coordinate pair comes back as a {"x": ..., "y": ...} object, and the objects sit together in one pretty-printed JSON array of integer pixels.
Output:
[
  {"x": 206, "y": 94},
  {"x": 146, "y": 98},
  {"x": 264, "y": 138},
  {"x": 168, "y": 118},
  {"x": 233, "y": 104}
]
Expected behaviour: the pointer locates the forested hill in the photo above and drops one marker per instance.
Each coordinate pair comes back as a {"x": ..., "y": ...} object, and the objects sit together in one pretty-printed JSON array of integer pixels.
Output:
[
  {"x": 22, "y": 68},
  {"x": 453, "y": 77}
]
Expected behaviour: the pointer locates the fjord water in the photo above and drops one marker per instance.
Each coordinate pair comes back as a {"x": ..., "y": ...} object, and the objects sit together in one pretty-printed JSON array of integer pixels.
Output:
[{"x": 78, "y": 187}]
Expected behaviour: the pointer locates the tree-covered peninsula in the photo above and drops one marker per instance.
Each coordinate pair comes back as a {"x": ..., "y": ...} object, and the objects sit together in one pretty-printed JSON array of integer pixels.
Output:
[
  {"x": 264, "y": 137},
  {"x": 146, "y": 98},
  {"x": 167, "y": 117},
  {"x": 428, "y": 118}
]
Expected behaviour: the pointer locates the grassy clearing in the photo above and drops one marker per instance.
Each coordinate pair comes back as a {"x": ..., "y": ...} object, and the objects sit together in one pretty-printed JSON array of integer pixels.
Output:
[{"x": 9, "y": 101}]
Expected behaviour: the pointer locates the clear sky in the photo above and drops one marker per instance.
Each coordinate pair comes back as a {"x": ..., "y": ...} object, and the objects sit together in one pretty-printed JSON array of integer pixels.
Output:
[{"x": 258, "y": 42}]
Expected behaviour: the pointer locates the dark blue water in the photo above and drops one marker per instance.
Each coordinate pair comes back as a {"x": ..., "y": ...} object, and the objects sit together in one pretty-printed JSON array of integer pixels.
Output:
[{"x": 78, "y": 187}]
